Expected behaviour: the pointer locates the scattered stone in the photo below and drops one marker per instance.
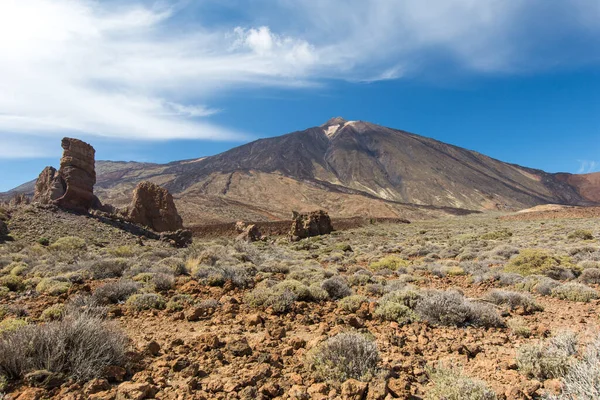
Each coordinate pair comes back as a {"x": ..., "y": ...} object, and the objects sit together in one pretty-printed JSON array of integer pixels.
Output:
[
  {"x": 114, "y": 373},
  {"x": 153, "y": 348},
  {"x": 96, "y": 385},
  {"x": 353, "y": 390},
  {"x": 239, "y": 348},
  {"x": 135, "y": 391},
  {"x": 254, "y": 320},
  {"x": 153, "y": 207},
  {"x": 312, "y": 224}
]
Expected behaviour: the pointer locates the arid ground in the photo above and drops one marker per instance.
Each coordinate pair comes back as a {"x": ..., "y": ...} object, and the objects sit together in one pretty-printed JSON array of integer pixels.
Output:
[{"x": 469, "y": 307}]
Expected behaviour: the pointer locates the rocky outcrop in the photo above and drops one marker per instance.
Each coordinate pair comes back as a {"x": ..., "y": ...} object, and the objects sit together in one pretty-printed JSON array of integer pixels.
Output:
[
  {"x": 77, "y": 170},
  {"x": 312, "y": 224},
  {"x": 247, "y": 233},
  {"x": 19, "y": 199},
  {"x": 49, "y": 186},
  {"x": 153, "y": 207},
  {"x": 72, "y": 186}
]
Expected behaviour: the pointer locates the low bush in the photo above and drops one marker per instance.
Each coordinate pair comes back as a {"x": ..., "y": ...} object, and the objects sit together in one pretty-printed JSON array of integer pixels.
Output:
[
  {"x": 590, "y": 275},
  {"x": 12, "y": 282},
  {"x": 399, "y": 313},
  {"x": 163, "y": 282},
  {"x": 146, "y": 301},
  {"x": 582, "y": 381},
  {"x": 451, "y": 384},
  {"x": 107, "y": 268},
  {"x": 547, "y": 359},
  {"x": 389, "y": 262},
  {"x": 574, "y": 291},
  {"x": 53, "y": 286},
  {"x": 116, "y": 292},
  {"x": 10, "y": 325},
  {"x": 77, "y": 348},
  {"x": 519, "y": 327},
  {"x": 69, "y": 244},
  {"x": 53, "y": 313},
  {"x": 179, "y": 302},
  {"x": 536, "y": 261},
  {"x": 218, "y": 275},
  {"x": 351, "y": 304},
  {"x": 336, "y": 287},
  {"x": 513, "y": 300},
  {"x": 497, "y": 235},
  {"x": 450, "y": 308},
  {"x": 581, "y": 234},
  {"x": 344, "y": 356}
]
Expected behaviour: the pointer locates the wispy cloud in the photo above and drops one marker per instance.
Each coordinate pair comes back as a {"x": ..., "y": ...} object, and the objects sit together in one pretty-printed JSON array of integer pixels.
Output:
[
  {"x": 127, "y": 69},
  {"x": 588, "y": 166}
]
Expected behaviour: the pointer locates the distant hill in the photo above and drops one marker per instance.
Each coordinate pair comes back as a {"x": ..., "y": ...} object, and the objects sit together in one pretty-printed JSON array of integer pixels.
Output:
[{"x": 350, "y": 168}]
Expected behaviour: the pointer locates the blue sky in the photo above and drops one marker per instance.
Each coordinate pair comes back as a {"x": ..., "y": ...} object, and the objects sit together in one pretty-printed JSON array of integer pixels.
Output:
[{"x": 168, "y": 80}]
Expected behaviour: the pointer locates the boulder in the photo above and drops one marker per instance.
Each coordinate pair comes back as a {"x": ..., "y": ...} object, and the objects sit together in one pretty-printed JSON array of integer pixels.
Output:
[
  {"x": 247, "y": 233},
  {"x": 72, "y": 186},
  {"x": 311, "y": 224},
  {"x": 180, "y": 238},
  {"x": 153, "y": 207}
]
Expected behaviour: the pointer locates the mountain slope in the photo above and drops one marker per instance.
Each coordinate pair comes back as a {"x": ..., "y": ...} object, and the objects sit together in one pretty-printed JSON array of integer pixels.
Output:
[{"x": 349, "y": 168}]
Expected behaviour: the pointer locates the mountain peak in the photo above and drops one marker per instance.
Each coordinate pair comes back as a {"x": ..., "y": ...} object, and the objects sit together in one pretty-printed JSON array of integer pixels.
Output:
[{"x": 334, "y": 121}]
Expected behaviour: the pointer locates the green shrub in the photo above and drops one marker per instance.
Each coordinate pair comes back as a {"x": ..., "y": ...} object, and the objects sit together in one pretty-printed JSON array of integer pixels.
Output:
[
  {"x": 53, "y": 286},
  {"x": 4, "y": 291},
  {"x": 69, "y": 244},
  {"x": 519, "y": 327},
  {"x": 395, "y": 312},
  {"x": 44, "y": 241},
  {"x": 10, "y": 325},
  {"x": 53, "y": 313},
  {"x": 351, "y": 304},
  {"x": 317, "y": 293},
  {"x": 179, "y": 302},
  {"x": 574, "y": 291},
  {"x": 146, "y": 301},
  {"x": 535, "y": 261},
  {"x": 12, "y": 282},
  {"x": 344, "y": 356},
  {"x": 389, "y": 262},
  {"x": 497, "y": 235},
  {"x": 581, "y": 234},
  {"x": 451, "y": 384}
]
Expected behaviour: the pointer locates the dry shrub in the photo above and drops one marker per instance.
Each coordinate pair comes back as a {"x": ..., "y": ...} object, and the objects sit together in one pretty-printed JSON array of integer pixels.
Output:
[
  {"x": 450, "y": 308},
  {"x": 116, "y": 292},
  {"x": 344, "y": 356},
  {"x": 513, "y": 300},
  {"x": 451, "y": 384},
  {"x": 574, "y": 291},
  {"x": 77, "y": 347},
  {"x": 146, "y": 301},
  {"x": 336, "y": 287},
  {"x": 582, "y": 381},
  {"x": 548, "y": 359}
]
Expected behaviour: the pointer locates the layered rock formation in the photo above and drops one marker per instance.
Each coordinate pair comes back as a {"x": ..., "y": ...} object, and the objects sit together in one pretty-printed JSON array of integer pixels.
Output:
[
  {"x": 72, "y": 186},
  {"x": 312, "y": 224},
  {"x": 153, "y": 206},
  {"x": 77, "y": 169}
]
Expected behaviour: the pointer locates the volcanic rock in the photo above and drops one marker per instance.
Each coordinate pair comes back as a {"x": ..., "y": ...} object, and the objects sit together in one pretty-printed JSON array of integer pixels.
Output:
[
  {"x": 153, "y": 206},
  {"x": 247, "y": 233},
  {"x": 49, "y": 186},
  {"x": 77, "y": 170},
  {"x": 180, "y": 238},
  {"x": 312, "y": 224},
  {"x": 72, "y": 186}
]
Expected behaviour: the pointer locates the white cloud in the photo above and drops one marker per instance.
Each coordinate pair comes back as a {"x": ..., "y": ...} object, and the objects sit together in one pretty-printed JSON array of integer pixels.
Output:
[
  {"x": 128, "y": 70},
  {"x": 588, "y": 166}
]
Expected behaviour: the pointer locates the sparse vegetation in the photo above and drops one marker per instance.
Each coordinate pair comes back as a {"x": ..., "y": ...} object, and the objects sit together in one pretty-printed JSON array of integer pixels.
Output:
[
  {"x": 452, "y": 384},
  {"x": 548, "y": 359},
  {"x": 345, "y": 356}
]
